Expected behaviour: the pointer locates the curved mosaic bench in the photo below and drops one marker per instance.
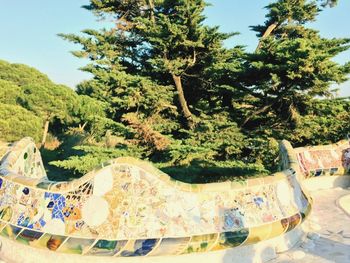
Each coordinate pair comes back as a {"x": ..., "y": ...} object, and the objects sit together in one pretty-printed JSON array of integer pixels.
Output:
[
  {"x": 316, "y": 161},
  {"x": 129, "y": 208}
]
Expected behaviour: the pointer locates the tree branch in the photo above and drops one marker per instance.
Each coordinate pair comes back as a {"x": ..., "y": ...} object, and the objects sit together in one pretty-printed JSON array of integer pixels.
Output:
[{"x": 266, "y": 34}]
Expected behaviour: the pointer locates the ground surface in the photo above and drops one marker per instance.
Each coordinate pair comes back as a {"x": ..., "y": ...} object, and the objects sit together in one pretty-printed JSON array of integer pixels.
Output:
[{"x": 329, "y": 240}]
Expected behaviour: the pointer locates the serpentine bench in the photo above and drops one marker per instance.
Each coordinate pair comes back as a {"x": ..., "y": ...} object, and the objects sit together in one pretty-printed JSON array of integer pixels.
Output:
[{"x": 128, "y": 208}]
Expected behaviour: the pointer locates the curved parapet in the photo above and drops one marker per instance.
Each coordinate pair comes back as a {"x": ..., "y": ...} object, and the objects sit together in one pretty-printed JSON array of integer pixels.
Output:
[
  {"x": 24, "y": 159},
  {"x": 314, "y": 161},
  {"x": 4, "y": 147},
  {"x": 129, "y": 208}
]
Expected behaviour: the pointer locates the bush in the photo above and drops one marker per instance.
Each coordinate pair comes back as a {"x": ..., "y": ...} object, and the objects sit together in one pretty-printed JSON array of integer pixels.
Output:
[
  {"x": 21, "y": 74},
  {"x": 16, "y": 123},
  {"x": 9, "y": 92}
]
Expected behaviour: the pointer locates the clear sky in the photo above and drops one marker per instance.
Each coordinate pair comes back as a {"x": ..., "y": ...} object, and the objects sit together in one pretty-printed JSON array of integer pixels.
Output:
[{"x": 28, "y": 31}]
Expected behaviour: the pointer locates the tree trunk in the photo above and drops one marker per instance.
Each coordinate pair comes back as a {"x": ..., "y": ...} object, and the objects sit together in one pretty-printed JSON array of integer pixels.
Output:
[
  {"x": 82, "y": 127},
  {"x": 151, "y": 7},
  {"x": 46, "y": 129},
  {"x": 261, "y": 110},
  {"x": 267, "y": 33},
  {"x": 266, "y": 107},
  {"x": 183, "y": 103}
]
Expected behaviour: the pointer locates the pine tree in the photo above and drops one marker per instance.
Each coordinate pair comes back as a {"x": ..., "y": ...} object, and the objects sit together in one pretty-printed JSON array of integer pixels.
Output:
[
  {"x": 159, "y": 70},
  {"x": 114, "y": 69},
  {"x": 17, "y": 122},
  {"x": 160, "y": 43},
  {"x": 292, "y": 63}
]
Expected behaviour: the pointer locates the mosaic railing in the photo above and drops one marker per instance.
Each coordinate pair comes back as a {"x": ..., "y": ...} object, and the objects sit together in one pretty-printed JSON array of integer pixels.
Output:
[
  {"x": 3, "y": 149},
  {"x": 129, "y": 208},
  {"x": 333, "y": 159},
  {"x": 23, "y": 159}
]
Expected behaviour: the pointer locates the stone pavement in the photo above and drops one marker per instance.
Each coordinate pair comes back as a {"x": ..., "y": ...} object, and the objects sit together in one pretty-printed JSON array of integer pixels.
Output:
[{"x": 329, "y": 232}]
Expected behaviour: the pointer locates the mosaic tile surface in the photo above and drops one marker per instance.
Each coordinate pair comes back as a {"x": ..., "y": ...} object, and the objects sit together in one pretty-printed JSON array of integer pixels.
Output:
[
  {"x": 325, "y": 160},
  {"x": 128, "y": 208},
  {"x": 25, "y": 160}
]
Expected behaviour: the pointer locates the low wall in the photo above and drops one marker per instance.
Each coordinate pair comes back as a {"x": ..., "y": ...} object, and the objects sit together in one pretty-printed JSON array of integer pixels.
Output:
[
  {"x": 3, "y": 149},
  {"x": 261, "y": 252},
  {"x": 318, "y": 167},
  {"x": 316, "y": 161},
  {"x": 128, "y": 208},
  {"x": 23, "y": 159}
]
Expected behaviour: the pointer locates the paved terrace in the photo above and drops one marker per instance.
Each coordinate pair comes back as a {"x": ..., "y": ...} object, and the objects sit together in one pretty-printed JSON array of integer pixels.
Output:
[{"x": 329, "y": 226}]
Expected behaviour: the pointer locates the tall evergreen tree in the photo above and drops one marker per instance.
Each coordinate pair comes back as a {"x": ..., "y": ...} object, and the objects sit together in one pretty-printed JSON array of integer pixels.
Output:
[
  {"x": 163, "y": 41},
  {"x": 115, "y": 79},
  {"x": 292, "y": 63},
  {"x": 160, "y": 69}
]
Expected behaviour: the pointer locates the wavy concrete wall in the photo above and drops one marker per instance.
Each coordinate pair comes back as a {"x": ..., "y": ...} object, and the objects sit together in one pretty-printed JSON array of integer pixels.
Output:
[{"x": 128, "y": 208}]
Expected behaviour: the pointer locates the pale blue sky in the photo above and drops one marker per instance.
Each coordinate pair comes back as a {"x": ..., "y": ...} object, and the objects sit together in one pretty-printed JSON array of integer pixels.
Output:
[{"x": 28, "y": 31}]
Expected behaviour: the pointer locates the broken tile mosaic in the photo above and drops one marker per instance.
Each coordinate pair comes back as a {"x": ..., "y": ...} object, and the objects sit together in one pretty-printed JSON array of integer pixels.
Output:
[{"x": 128, "y": 208}]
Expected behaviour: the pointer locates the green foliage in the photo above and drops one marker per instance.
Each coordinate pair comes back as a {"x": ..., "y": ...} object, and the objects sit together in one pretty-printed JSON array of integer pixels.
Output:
[
  {"x": 214, "y": 171},
  {"x": 28, "y": 88},
  {"x": 326, "y": 121},
  {"x": 21, "y": 74},
  {"x": 88, "y": 108},
  {"x": 100, "y": 126},
  {"x": 16, "y": 123},
  {"x": 195, "y": 172},
  {"x": 160, "y": 63},
  {"x": 292, "y": 65},
  {"x": 214, "y": 138},
  {"x": 9, "y": 92},
  {"x": 94, "y": 156},
  {"x": 262, "y": 150},
  {"x": 122, "y": 92},
  {"x": 49, "y": 101},
  {"x": 174, "y": 35},
  {"x": 166, "y": 89}
]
